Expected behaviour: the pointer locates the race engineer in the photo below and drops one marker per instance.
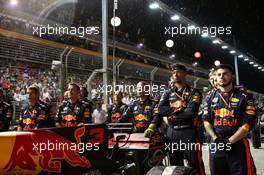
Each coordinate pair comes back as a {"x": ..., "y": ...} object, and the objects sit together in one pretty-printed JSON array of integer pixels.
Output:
[
  {"x": 229, "y": 115},
  {"x": 142, "y": 110},
  {"x": 35, "y": 114},
  {"x": 180, "y": 105},
  {"x": 6, "y": 112},
  {"x": 117, "y": 109},
  {"x": 73, "y": 112}
]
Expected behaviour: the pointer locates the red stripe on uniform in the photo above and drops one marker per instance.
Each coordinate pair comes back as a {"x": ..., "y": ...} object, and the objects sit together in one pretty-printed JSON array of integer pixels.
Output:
[
  {"x": 250, "y": 163},
  {"x": 199, "y": 156}
]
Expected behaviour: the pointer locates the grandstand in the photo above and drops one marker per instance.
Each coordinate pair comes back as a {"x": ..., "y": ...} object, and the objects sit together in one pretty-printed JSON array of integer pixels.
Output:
[
  {"x": 35, "y": 50},
  {"x": 36, "y": 53}
]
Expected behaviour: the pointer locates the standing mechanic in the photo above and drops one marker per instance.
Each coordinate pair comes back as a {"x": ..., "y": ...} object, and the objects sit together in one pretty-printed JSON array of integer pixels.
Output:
[
  {"x": 212, "y": 80},
  {"x": 142, "y": 110},
  {"x": 84, "y": 99},
  {"x": 229, "y": 115},
  {"x": 116, "y": 110},
  {"x": 35, "y": 114},
  {"x": 73, "y": 112},
  {"x": 180, "y": 105}
]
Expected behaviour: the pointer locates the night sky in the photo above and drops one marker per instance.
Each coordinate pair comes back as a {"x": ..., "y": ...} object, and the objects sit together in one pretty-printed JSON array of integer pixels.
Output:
[
  {"x": 245, "y": 17},
  {"x": 247, "y": 21}
]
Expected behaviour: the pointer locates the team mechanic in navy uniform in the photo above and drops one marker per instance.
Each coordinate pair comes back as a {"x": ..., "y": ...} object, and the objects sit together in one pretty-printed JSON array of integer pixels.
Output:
[
  {"x": 142, "y": 110},
  {"x": 117, "y": 109},
  {"x": 84, "y": 98},
  {"x": 6, "y": 112},
  {"x": 229, "y": 114},
  {"x": 213, "y": 85},
  {"x": 35, "y": 114},
  {"x": 73, "y": 112},
  {"x": 180, "y": 105}
]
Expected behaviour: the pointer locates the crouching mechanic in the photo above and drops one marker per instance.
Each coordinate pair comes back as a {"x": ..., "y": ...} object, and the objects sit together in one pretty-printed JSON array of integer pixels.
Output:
[
  {"x": 73, "y": 112},
  {"x": 142, "y": 110},
  {"x": 229, "y": 114},
  {"x": 180, "y": 104}
]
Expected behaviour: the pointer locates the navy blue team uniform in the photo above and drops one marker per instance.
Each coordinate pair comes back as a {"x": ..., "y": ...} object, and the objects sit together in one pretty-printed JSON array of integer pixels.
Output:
[
  {"x": 6, "y": 112},
  {"x": 88, "y": 104},
  {"x": 226, "y": 113},
  {"x": 115, "y": 112},
  {"x": 73, "y": 114},
  {"x": 181, "y": 108},
  {"x": 141, "y": 113},
  {"x": 51, "y": 113},
  {"x": 35, "y": 117},
  {"x": 88, "y": 110}
]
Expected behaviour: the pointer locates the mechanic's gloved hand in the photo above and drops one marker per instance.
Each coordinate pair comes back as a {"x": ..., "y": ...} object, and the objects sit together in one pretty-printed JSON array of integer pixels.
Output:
[
  {"x": 223, "y": 144},
  {"x": 151, "y": 130}
]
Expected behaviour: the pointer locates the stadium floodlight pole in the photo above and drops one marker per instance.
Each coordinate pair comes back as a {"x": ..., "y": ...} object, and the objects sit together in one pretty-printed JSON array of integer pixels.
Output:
[
  {"x": 62, "y": 80},
  {"x": 104, "y": 46},
  {"x": 114, "y": 73},
  {"x": 114, "y": 45},
  {"x": 236, "y": 64},
  {"x": 66, "y": 62}
]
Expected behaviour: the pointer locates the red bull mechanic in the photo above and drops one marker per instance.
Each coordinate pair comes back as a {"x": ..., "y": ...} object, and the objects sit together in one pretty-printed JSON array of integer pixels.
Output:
[
  {"x": 117, "y": 109},
  {"x": 142, "y": 110},
  {"x": 51, "y": 112},
  {"x": 35, "y": 114},
  {"x": 213, "y": 86},
  {"x": 84, "y": 99},
  {"x": 229, "y": 115},
  {"x": 212, "y": 79},
  {"x": 6, "y": 112},
  {"x": 180, "y": 104},
  {"x": 212, "y": 83},
  {"x": 73, "y": 112}
]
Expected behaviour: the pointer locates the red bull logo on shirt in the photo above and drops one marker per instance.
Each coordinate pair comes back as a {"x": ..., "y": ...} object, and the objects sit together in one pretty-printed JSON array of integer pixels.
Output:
[
  {"x": 224, "y": 117},
  {"x": 223, "y": 112}
]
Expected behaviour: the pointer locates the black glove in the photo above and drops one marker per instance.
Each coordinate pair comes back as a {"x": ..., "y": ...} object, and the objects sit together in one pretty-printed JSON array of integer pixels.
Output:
[{"x": 223, "y": 144}]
